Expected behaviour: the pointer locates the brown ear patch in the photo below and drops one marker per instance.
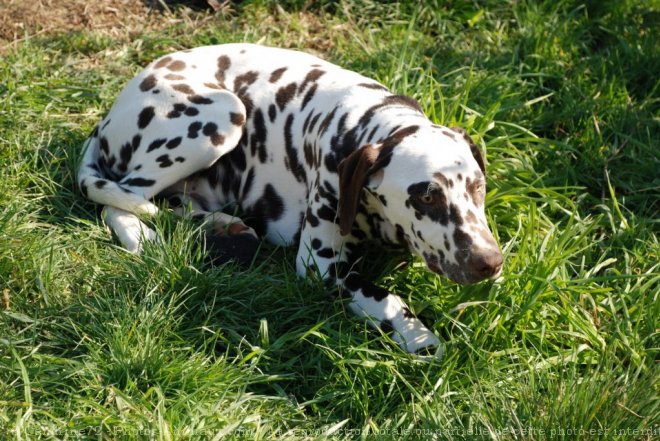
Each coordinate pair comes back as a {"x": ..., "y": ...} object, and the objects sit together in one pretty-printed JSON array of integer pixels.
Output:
[
  {"x": 354, "y": 172},
  {"x": 473, "y": 148},
  {"x": 358, "y": 168}
]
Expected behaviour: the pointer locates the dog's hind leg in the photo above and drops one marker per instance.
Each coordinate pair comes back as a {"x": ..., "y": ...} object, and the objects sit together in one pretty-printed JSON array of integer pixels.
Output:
[
  {"x": 125, "y": 167},
  {"x": 227, "y": 237},
  {"x": 130, "y": 230}
]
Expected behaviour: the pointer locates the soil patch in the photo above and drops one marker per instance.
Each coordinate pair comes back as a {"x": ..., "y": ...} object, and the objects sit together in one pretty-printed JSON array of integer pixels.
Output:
[{"x": 21, "y": 19}]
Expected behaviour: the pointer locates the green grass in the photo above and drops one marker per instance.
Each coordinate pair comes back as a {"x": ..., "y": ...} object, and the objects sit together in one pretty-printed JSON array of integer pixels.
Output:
[{"x": 563, "y": 96}]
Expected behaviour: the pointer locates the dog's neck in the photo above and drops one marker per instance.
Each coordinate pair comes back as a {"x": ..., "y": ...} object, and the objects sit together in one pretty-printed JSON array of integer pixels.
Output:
[{"x": 371, "y": 219}]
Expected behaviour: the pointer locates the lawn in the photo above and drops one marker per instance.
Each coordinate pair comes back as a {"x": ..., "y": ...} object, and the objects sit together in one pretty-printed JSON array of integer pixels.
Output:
[{"x": 564, "y": 98}]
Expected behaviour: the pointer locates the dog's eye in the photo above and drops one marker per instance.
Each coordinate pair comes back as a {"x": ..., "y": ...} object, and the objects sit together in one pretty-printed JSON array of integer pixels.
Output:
[{"x": 427, "y": 198}]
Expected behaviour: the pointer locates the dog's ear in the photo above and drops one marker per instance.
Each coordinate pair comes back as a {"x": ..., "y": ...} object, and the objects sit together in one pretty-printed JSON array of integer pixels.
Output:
[
  {"x": 355, "y": 171},
  {"x": 473, "y": 148}
]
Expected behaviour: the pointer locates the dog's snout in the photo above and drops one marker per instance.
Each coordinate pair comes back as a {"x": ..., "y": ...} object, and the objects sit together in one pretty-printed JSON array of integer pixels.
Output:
[{"x": 486, "y": 263}]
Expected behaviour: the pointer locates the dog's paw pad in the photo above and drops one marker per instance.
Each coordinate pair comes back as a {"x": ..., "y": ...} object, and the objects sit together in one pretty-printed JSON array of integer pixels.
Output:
[{"x": 240, "y": 248}]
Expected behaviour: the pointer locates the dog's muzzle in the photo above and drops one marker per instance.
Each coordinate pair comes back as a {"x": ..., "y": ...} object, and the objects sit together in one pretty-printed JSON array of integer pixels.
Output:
[{"x": 479, "y": 265}]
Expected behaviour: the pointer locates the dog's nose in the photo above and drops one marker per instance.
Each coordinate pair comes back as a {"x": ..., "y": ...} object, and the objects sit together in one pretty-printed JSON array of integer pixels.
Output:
[{"x": 486, "y": 263}]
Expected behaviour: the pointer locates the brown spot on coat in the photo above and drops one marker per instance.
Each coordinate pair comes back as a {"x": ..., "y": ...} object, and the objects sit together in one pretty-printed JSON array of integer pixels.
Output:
[
  {"x": 312, "y": 76},
  {"x": 269, "y": 207},
  {"x": 148, "y": 83},
  {"x": 223, "y": 64},
  {"x": 191, "y": 111},
  {"x": 374, "y": 86},
  {"x": 276, "y": 74},
  {"x": 176, "y": 111},
  {"x": 308, "y": 96},
  {"x": 164, "y": 161},
  {"x": 272, "y": 112},
  {"x": 285, "y": 94},
  {"x": 176, "y": 66},
  {"x": 476, "y": 153},
  {"x": 237, "y": 119},
  {"x": 199, "y": 99},
  {"x": 475, "y": 190},
  {"x": 241, "y": 84},
  {"x": 245, "y": 80},
  {"x": 183, "y": 88},
  {"x": 449, "y": 134},
  {"x": 211, "y": 130},
  {"x": 442, "y": 179},
  {"x": 155, "y": 144},
  {"x": 391, "y": 142},
  {"x": 163, "y": 62},
  {"x": 291, "y": 159},
  {"x": 145, "y": 117},
  {"x": 173, "y": 143},
  {"x": 213, "y": 86}
]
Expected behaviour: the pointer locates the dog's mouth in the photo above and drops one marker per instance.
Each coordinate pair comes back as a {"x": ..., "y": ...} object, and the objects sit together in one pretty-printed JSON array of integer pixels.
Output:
[
  {"x": 453, "y": 273},
  {"x": 458, "y": 273},
  {"x": 433, "y": 263},
  {"x": 434, "y": 267}
]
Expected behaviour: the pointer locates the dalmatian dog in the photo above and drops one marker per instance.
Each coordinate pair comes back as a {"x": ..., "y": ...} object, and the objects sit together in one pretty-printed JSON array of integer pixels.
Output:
[{"x": 310, "y": 155}]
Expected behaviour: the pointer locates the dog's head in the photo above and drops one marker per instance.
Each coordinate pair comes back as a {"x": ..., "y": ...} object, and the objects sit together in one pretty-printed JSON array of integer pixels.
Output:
[{"x": 430, "y": 185}]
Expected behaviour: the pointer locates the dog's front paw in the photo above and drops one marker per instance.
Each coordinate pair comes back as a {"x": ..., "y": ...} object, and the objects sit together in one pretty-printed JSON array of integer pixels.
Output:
[
  {"x": 433, "y": 351},
  {"x": 415, "y": 338}
]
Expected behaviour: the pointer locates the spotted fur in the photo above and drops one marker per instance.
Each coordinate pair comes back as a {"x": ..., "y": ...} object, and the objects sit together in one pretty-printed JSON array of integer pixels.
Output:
[{"x": 313, "y": 155}]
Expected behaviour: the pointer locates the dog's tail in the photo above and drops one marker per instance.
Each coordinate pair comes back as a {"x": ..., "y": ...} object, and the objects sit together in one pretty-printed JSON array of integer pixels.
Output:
[{"x": 98, "y": 183}]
